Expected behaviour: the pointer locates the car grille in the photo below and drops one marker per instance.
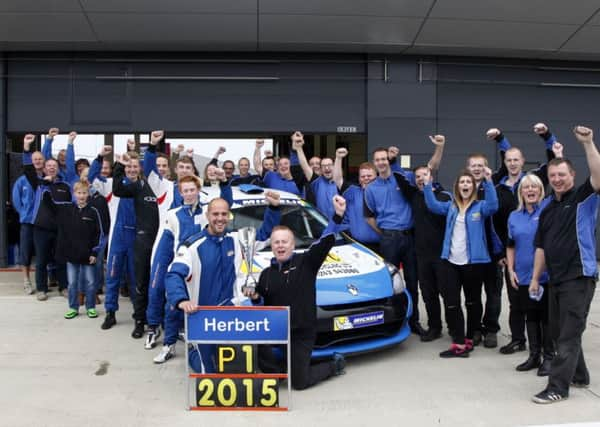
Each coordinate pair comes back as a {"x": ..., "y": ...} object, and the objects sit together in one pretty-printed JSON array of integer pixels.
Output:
[{"x": 331, "y": 338}]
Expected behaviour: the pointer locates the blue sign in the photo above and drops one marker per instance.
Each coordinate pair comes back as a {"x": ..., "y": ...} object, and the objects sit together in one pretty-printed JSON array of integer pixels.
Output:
[{"x": 238, "y": 324}]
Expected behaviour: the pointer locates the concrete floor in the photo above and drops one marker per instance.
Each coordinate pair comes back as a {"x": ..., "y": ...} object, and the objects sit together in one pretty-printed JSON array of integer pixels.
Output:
[{"x": 57, "y": 372}]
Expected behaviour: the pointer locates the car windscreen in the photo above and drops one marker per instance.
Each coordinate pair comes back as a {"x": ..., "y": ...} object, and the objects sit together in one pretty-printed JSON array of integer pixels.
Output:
[{"x": 306, "y": 223}]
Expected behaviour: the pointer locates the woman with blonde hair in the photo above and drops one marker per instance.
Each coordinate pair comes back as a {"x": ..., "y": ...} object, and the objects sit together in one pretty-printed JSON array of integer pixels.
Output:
[
  {"x": 522, "y": 226},
  {"x": 464, "y": 252}
]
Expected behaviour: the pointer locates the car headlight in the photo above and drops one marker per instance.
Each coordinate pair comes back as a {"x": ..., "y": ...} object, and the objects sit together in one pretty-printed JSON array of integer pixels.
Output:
[{"x": 398, "y": 283}]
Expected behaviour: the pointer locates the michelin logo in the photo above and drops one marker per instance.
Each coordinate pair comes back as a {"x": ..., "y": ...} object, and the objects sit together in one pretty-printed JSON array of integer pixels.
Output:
[{"x": 344, "y": 323}]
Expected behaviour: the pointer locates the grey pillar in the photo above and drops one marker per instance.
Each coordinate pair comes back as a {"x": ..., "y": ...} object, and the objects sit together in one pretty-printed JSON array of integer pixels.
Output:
[{"x": 3, "y": 161}]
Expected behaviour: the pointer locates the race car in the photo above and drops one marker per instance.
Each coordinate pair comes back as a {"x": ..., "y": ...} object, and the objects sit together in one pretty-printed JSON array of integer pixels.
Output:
[{"x": 362, "y": 302}]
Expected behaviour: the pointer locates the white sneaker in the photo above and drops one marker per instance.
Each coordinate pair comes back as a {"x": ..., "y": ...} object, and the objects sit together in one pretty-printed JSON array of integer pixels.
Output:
[
  {"x": 28, "y": 288},
  {"x": 167, "y": 352},
  {"x": 152, "y": 337}
]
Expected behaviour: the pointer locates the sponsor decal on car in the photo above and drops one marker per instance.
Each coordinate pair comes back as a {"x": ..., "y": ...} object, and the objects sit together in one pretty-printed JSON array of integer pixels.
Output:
[{"x": 343, "y": 323}]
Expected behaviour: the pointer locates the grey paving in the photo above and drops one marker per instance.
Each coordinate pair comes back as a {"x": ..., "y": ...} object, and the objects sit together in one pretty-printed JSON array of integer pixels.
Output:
[{"x": 57, "y": 372}]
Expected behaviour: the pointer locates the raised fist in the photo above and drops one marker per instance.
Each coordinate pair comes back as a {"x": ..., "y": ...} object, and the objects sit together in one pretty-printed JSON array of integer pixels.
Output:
[
  {"x": 53, "y": 132},
  {"x": 105, "y": 150},
  {"x": 190, "y": 152},
  {"x": 393, "y": 151},
  {"x": 557, "y": 149},
  {"x": 438, "y": 139},
  {"x": 492, "y": 133},
  {"x": 220, "y": 151},
  {"x": 487, "y": 173},
  {"x": 72, "y": 136},
  {"x": 583, "y": 134},
  {"x": 220, "y": 174},
  {"x": 27, "y": 141},
  {"x": 272, "y": 198},
  {"x": 130, "y": 145},
  {"x": 341, "y": 152},
  {"x": 540, "y": 128},
  {"x": 124, "y": 159},
  {"x": 156, "y": 136},
  {"x": 179, "y": 149},
  {"x": 260, "y": 143},
  {"x": 339, "y": 203},
  {"x": 297, "y": 139},
  {"x": 268, "y": 153}
]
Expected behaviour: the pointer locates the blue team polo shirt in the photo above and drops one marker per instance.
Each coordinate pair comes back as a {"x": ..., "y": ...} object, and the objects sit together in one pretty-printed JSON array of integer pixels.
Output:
[
  {"x": 358, "y": 226},
  {"x": 324, "y": 189},
  {"x": 522, "y": 227},
  {"x": 384, "y": 200},
  {"x": 275, "y": 181}
]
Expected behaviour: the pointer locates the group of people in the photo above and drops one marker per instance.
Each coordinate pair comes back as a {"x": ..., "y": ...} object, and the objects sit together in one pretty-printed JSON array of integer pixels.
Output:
[{"x": 168, "y": 235}]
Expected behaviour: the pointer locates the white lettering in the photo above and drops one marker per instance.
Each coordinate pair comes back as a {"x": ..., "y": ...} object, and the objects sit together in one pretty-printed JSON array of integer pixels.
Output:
[{"x": 236, "y": 325}]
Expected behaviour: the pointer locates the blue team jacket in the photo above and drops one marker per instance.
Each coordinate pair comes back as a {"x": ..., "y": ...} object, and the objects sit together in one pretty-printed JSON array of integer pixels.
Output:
[
  {"x": 474, "y": 220},
  {"x": 23, "y": 199}
]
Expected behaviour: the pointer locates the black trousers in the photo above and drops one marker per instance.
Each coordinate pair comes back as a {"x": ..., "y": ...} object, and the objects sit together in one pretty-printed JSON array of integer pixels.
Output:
[
  {"x": 304, "y": 373},
  {"x": 141, "y": 263},
  {"x": 535, "y": 314},
  {"x": 44, "y": 242},
  {"x": 569, "y": 305},
  {"x": 431, "y": 273},
  {"x": 399, "y": 247},
  {"x": 517, "y": 311},
  {"x": 469, "y": 278},
  {"x": 492, "y": 284}
]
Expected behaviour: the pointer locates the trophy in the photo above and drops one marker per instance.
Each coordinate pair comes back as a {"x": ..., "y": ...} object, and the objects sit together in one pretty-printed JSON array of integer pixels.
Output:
[{"x": 247, "y": 238}]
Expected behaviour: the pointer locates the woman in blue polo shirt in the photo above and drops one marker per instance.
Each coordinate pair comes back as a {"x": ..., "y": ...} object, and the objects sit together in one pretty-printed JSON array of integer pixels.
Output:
[
  {"x": 522, "y": 226},
  {"x": 464, "y": 252}
]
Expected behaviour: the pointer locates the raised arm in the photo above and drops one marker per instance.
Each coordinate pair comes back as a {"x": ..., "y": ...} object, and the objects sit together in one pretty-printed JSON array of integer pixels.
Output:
[
  {"x": 215, "y": 159},
  {"x": 120, "y": 187},
  {"x": 338, "y": 173},
  {"x": 149, "y": 165},
  {"x": 47, "y": 147},
  {"x": 495, "y": 134},
  {"x": 71, "y": 173},
  {"x": 256, "y": 156},
  {"x": 586, "y": 137},
  {"x": 28, "y": 169},
  {"x": 298, "y": 146},
  {"x": 433, "y": 204},
  {"x": 318, "y": 251},
  {"x": 439, "y": 141}
]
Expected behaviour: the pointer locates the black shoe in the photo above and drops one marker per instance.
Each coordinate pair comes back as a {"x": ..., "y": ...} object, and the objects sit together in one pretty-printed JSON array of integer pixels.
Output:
[
  {"x": 548, "y": 397},
  {"x": 125, "y": 292},
  {"x": 544, "y": 369},
  {"x": 512, "y": 347},
  {"x": 417, "y": 329},
  {"x": 490, "y": 340},
  {"x": 454, "y": 351},
  {"x": 431, "y": 335},
  {"x": 476, "y": 338},
  {"x": 532, "y": 362},
  {"x": 109, "y": 320},
  {"x": 580, "y": 384},
  {"x": 339, "y": 364},
  {"x": 138, "y": 331}
]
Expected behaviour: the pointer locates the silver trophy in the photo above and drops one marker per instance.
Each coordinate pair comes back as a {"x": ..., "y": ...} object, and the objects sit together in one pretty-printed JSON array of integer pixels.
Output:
[{"x": 247, "y": 238}]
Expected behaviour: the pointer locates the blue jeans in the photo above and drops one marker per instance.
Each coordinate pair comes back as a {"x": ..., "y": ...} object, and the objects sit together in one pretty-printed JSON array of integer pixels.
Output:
[{"x": 81, "y": 279}]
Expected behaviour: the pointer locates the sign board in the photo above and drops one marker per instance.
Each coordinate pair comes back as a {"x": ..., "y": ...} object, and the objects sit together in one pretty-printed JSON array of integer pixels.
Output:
[
  {"x": 346, "y": 129},
  {"x": 237, "y": 330}
]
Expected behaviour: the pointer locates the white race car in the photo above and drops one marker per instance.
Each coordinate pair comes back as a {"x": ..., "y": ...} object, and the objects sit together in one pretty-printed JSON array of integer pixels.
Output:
[{"x": 362, "y": 303}]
